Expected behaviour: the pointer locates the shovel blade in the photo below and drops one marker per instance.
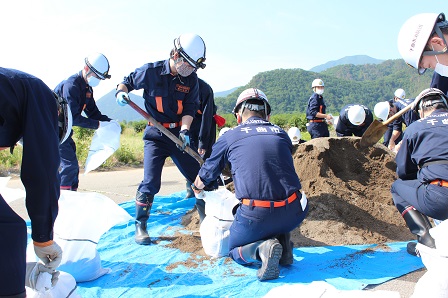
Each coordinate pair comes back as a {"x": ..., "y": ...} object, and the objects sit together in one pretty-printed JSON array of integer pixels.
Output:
[{"x": 373, "y": 134}]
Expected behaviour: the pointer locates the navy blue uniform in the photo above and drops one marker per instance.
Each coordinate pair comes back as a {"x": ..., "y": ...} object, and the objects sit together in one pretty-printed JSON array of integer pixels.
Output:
[
  {"x": 317, "y": 127},
  {"x": 439, "y": 82},
  {"x": 203, "y": 127},
  {"x": 345, "y": 128},
  {"x": 259, "y": 172},
  {"x": 396, "y": 125},
  {"x": 423, "y": 158},
  {"x": 167, "y": 99},
  {"x": 28, "y": 110},
  {"x": 79, "y": 95}
]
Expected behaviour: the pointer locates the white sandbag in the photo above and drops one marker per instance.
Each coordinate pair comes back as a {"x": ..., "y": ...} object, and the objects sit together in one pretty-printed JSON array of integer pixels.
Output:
[
  {"x": 434, "y": 283},
  {"x": 10, "y": 194},
  {"x": 214, "y": 228},
  {"x": 105, "y": 142},
  {"x": 321, "y": 289},
  {"x": 220, "y": 203},
  {"x": 65, "y": 287},
  {"x": 82, "y": 219}
]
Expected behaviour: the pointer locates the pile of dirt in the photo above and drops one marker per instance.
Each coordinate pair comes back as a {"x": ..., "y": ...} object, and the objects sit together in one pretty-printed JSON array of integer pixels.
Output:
[{"x": 348, "y": 189}]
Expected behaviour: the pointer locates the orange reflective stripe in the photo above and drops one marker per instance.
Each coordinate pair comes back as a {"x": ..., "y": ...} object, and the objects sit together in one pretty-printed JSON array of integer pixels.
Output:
[
  {"x": 267, "y": 204},
  {"x": 320, "y": 109},
  {"x": 159, "y": 104},
  {"x": 199, "y": 112},
  {"x": 440, "y": 183},
  {"x": 43, "y": 244},
  {"x": 180, "y": 107}
]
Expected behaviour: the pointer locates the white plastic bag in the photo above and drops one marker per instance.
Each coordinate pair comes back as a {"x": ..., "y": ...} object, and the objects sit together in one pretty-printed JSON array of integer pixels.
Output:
[
  {"x": 434, "y": 283},
  {"x": 65, "y": 287},
  {"x": 105, "y": 142},
  {"x": 214, "y": 228},
  {"x": 82, "y": 219},
  {"x": 10, "y": 194}
]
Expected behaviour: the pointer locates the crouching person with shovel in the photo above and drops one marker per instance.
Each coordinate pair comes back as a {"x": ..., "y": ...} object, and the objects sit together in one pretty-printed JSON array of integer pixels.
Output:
[
  {"x": 171, "y": 96},
  {"x": 266, "y": 184},
  {"x": 422, "y": 167}
]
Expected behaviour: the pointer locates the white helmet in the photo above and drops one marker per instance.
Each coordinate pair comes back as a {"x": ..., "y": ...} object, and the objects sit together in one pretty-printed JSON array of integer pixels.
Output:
[
  {"x": 99, "y": 64},
  {"x": 399, "y": 93},
  {"x": 356, "y": 114},
  {"x": 381, "y": 110},
  {"x": 414, "y": 35},
  {"x": 437, "y": 96},
  {"x": 317, "y": 83},
  {"x": 223, "y": 131},
  {"x": 294, "y": 135},
  {"x": 192, "y": 48},
  {"x": 65, "y": 120},
  {"x": 252, "y": 93}
]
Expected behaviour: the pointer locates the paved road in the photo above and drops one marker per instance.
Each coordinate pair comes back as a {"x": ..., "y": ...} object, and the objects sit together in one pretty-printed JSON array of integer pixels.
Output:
[{"x": 121, "y": 186}]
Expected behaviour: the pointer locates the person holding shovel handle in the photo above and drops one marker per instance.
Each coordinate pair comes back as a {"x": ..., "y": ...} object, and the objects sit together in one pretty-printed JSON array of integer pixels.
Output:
[{"x": 171, "y": 93}]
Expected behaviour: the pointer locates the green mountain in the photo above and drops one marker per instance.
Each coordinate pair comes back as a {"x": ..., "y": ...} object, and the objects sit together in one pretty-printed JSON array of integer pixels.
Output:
[{"x": 288, "y": 90}]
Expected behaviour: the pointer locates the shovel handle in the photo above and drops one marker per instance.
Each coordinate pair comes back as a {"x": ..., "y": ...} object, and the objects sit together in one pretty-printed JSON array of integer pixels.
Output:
[
  {"x": 397, "y": 115},
  {"x": 165, "y": 131}
]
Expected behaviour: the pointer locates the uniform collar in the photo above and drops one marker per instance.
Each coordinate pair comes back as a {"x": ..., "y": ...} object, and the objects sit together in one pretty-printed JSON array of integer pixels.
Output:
[{"x": 166, "y": 67}]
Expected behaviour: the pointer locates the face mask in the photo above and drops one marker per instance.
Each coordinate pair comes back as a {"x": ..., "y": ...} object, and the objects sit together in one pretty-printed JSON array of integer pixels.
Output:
[
  {"x": 440, "y": 68},
  {"x": 320, "y": 91},
  {"x": 93, "y": 81},
  {"x": 183, "y": 68}
]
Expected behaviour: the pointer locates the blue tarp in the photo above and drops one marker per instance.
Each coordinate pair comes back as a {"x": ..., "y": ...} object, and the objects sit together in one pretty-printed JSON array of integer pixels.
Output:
[{"x": 159, "y": 271}]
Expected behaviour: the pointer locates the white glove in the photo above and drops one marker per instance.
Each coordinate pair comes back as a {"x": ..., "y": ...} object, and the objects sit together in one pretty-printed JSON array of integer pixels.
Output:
[
  {"x": 121, "y": 95},
  {"x": 36, "y": 276},
  {"x": 51, "y": 255}
]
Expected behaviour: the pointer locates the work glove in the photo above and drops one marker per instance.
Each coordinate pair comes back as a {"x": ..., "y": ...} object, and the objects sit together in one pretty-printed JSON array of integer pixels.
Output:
[
  {"x": 49, "y": 252},
  {"x": 35, "y": 276},
  {"x": 121, "y": 98},
  {"x": 184, "y": 136}
]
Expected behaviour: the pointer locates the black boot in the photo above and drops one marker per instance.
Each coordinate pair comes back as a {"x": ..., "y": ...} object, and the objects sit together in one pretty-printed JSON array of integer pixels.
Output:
[
  {"x": 190, "y": 193},
  {"x": 200, "y": 207},
  {"x": 143, "y": 204},
  {"x": 419, "y": 225},
  {"x": 267, "y": 252},
  {"x": 287, "y": 255}
]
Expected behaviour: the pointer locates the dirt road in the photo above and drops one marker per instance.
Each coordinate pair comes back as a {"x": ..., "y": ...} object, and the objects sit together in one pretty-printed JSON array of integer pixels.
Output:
[{"x": 121, "y": 185}]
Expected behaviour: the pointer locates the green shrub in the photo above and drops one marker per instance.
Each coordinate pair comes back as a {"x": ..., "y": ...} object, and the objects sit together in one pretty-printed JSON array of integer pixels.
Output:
[
  {"x": 125, "y": 155},
  {"x": 139, "y": 126}
]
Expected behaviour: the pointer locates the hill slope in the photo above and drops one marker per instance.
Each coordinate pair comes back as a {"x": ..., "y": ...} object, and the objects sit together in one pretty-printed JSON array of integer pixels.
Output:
[{"x": 355, "y": 60}]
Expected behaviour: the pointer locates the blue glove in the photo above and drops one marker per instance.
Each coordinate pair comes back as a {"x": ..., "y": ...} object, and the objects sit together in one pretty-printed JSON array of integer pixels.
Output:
[
  {"x": 184, "y": 136},
  {"x": 121, "y": 98}
]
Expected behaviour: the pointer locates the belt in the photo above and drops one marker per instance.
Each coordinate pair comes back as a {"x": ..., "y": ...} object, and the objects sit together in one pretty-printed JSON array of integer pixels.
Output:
[
  {"x": 168, "y": 124},
  {"x": 267, "y": 204},
  {"x": 440, "y": 183},
  {"x": 316, "y": 120}
]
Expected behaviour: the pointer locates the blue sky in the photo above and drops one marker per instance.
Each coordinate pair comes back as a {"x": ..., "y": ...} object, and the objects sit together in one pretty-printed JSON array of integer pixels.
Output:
[{"x": 50, "y": 38}]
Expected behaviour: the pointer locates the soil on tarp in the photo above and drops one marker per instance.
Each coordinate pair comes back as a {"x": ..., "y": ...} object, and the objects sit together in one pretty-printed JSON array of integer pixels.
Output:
[{"x": 348, "y": 190}]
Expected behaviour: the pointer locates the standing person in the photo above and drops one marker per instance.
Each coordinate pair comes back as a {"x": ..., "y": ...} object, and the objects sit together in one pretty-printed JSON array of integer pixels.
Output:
[
  {"x": 422, "y": 167},
  {"x": 29, "y": 112},
  {"x": 315, "y": 112},
  {"x": 394, "y": 134},
  {"x": 439, "y": 82},
  {"x": 354, "y": 119},
  {"x": 203, "y": 127},
  {"x": 171, "y": 93},
  {"x": 266, "y": 184},
  {"x": 422, "y": 42},
  {"x": 77, "y": 90}
]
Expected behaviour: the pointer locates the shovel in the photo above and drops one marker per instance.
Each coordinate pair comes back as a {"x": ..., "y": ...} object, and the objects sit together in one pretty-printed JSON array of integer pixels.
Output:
[
  {"x": 377, "y": 129},
  {"x": 165, "y": 131}
]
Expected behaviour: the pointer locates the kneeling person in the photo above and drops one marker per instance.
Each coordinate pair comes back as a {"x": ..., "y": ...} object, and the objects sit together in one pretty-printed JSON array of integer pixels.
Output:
[{"x": 266, "y": 184}]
